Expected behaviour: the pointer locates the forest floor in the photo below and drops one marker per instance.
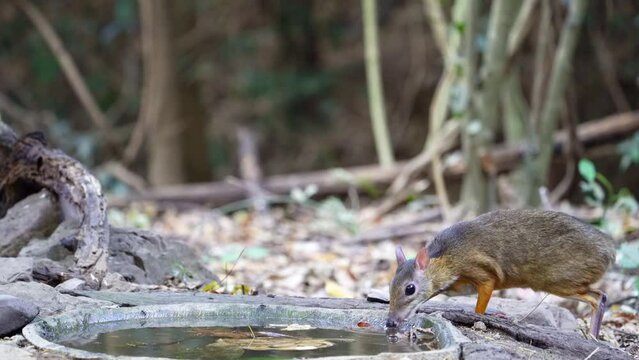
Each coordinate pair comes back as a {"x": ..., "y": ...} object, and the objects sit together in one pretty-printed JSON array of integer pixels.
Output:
[{"x": 327, "y": 250}]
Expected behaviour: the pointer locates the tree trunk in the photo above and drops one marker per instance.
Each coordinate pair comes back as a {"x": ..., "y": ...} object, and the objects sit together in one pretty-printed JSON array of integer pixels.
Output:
[{"x": 159, "y": 104}]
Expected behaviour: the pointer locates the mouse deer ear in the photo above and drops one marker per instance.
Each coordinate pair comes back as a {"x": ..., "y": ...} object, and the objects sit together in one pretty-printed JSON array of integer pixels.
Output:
[
  {"x": 399, "y": 254},
  {"x": 422, "y": 259}
]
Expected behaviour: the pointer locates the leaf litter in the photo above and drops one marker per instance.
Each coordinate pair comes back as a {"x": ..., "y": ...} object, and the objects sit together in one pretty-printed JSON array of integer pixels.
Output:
[{"x": 294, "y": 251}]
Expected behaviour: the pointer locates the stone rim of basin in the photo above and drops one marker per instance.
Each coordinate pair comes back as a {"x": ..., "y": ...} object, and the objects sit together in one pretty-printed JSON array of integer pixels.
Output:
[{"x": 45, "y": 332}]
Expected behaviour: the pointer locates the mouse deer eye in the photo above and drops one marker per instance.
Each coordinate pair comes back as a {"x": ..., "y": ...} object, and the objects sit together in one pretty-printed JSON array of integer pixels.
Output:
[{"x": 410, "y": 289}]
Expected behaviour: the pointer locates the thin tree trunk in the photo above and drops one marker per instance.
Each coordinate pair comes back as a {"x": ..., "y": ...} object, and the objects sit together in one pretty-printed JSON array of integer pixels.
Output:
[
  {"x": 474, "y": 184},
  {"x": 557, "y": 85},
  {"x": 375, "y": 87},
  {"x": 159, "y": 103},
  {"x": 502, "y": 13}
]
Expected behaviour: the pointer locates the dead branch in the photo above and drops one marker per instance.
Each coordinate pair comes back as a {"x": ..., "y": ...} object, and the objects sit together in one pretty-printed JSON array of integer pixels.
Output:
[
  {"x": 443, "y": 143},
  {"x": 503, "y": 158},
  {"x": 86, "y": 228},
  {"x": 128, "y": 177}
]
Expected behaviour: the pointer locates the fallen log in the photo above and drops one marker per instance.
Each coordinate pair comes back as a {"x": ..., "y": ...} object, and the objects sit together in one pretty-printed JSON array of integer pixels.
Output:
[
  {"x": 219, "y": 193},
  {"x": 500, "y": 159}
]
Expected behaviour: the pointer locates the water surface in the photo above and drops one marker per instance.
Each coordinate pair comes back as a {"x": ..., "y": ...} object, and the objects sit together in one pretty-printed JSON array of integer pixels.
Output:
[{"x": 240, "y": 343}]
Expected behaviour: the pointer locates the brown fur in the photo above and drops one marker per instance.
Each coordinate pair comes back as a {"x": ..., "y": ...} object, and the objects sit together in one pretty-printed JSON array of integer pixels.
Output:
[{"x": 542, "y": 250}]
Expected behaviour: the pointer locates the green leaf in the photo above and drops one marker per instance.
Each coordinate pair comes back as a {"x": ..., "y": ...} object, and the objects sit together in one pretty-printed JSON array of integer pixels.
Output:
[
  {"x": 256, "y": 252},
  {"x": 587, "y": 170},
  {"x": 125, "y": 12},
  {"x": 628, "y": 255}
]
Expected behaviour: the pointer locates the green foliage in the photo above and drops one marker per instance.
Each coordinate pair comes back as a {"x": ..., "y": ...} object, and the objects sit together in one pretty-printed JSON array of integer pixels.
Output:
[
  {"x": 599, "y": 193},
  {"x": 180, "y": 272},
  {"x": 125, "y": 13},
  {"x": 617, "y": 206},
  {"x": 629, "y": 151},
  {"x": 80, "y": 145},
  {"x": 628, "y": 258},
  {"x": 131, "y": 218},
  {"x": 293, "y": 95},
  {"x": 44, "y": 65},
  {"x": 587, "y": 170}
]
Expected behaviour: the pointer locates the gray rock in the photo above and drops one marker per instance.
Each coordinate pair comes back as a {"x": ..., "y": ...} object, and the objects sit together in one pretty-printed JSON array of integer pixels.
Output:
[
  {"x": 51, "y": 247},
  {"x": 481, "y": 351},
  {"x": 15, "y": 313},
  {"x": 34, "y": 216},
  {"x": 48, "y": 299},
  {"x": 147, "y": 258},
  {"x": 15, "y": 269},
  {"x": 139, "y": 256}
]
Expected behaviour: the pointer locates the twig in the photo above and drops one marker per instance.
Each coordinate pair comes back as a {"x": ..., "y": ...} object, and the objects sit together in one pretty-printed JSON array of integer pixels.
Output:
[
  {"x": 69, "y": 68},
  {"x": 443, "y": 143},
  {"x": 545, "y": 200},
  {"x": 592, "y": 354},
  {"x": 232, "y": 267},
  {"x": 521, "y": 27},
  {"x": 533, "y": 310},
  {"x": 120, "y": 172},
  {"x": 608, "y": 71},
  {"x": 393, "y": 200}
]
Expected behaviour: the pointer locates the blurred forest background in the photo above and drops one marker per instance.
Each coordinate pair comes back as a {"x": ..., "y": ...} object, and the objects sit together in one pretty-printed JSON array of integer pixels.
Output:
[
  {"x": 162, "y": 87},
  {"x": 435, "y": 110}
]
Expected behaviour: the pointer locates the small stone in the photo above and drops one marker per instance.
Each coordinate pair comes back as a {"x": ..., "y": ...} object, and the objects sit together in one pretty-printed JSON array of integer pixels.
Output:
[
  {"x": 15, "y": 313},
  {"x": 15, "y": 353},
  {"x": 72, "y": 284},
  {"x": 116, "y": 282},
  {"x": 15, "y": 269},
  {"x": 479, "y": 326},
  {"x": 378, "y": 295}
]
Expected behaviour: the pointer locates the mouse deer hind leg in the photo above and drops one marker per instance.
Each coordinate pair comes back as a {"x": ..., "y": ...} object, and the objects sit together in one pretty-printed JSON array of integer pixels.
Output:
[{"x": 597, "y": 300}]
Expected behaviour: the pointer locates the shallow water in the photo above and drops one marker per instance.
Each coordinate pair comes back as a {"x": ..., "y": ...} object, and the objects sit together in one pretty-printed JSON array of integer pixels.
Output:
[{"x": 240, "y": 343}]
